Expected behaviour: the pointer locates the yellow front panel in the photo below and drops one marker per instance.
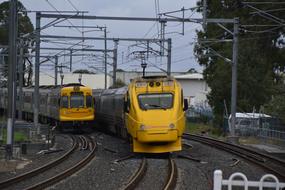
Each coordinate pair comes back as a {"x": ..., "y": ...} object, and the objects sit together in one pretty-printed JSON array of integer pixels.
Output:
[
  {"x": 74, "y": 114},
  {"x": 157, "y": 148},
  {"x": 157, "y": 135}
]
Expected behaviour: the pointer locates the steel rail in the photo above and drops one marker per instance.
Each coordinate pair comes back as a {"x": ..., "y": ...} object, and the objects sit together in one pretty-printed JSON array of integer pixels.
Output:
[
  {"x": 172, "y": 175},
  {"x": 84, "y": 141},
  {"x": 39, "y": 170},
  {"x": 66, "y": 173},
  {"x": 137, "y": 177},
  {"x": 268, "y": 162}
]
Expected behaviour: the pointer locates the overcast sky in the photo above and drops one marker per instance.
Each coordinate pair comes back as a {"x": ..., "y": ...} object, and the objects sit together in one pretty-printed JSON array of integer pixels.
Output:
[{"x": 182, "y": 47}]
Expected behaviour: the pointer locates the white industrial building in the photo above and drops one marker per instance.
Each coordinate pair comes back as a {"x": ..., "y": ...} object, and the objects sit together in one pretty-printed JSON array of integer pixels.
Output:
[
  {"x": 95, "y": 81},
  {"x": 195, "y": 88}
]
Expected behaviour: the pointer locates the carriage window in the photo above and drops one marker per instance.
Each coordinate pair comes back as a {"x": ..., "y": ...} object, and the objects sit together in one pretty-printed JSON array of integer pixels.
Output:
[
  {"x": 64, "y": 102},
  {"x": 88, "y": 101},
  {"x": 77, "y": 100},
  {"x": 155, "y": 101}
]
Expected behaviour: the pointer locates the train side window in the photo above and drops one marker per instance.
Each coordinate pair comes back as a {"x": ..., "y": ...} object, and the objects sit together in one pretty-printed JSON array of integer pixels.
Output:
[
  {"x": 89, "y": 101},
  {"x": 64, "y": 102}
]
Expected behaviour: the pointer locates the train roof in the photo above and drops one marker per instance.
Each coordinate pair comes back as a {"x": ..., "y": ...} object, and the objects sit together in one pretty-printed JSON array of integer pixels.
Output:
[
  {"x": 152, "y": 78},
  {"x": 72, "y": 84},
  {"x": 251, "y": 115},
  {"x": 121, "y": 90}
]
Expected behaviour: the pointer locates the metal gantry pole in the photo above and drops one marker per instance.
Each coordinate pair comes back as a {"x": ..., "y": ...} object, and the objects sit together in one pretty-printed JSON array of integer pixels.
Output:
[
  {"x": 21, "y": 80},
  {"x": 70, "y": 67},
  {"x": 55, "y": 70},
  {"x": 115, "y": 62},
  {"x": 168, "y": 56},
  {"x": 37, "y": 73},
  {"x": 205, "y": 15},
  {"x": 11, "y": 78},
  {"x": 234, "y": 77},
  {"x": 105, "y": 56}
]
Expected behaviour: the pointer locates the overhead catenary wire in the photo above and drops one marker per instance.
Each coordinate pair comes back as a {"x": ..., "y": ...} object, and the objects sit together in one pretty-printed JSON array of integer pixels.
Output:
[
  {"x": 51, "y": 5},
  {"x": 69, "y": 1}
]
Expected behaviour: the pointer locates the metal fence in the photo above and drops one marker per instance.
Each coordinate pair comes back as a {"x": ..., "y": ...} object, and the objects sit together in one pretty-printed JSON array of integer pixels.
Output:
[
  {"x": 199, "y": 114},
  {"x": 240, "y": 180},
  {"x": 272, "y": 134}
]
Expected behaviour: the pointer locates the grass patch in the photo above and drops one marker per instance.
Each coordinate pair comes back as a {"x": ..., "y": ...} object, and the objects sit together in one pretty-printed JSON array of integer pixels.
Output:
[
  {"x": 2, "y": 118},
  {"x": 201, "y": 128},
  {"x": 197, "y": 128},
  {"x": 18, "y": 137},
  {"x": 249, "y": 140}
]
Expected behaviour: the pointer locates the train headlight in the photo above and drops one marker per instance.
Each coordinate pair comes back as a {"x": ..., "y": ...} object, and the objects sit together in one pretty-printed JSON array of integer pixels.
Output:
[
  {"x": 171, "y": 126},
  {"x": 141, "y": 84},
  {"x": 142, "y": 127}
]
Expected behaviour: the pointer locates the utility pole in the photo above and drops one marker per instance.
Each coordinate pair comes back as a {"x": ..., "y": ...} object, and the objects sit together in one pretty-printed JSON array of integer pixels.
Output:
[
  {"x": 115, "y": 62},
  {"x": 61, "y": 76},
  {"x": 232, "y": 138},
  {"x": 169, "y": 57},
  {"x": 234, "y": 77},
  {"x": 105, "y": 56},
  {"x": 162, "y": 36},
  {"x": 21, "y": 79},
  {"x": 55, "y": 70},
  {"x": 143, "y": 65},
  {"x": 37, "y": 73},
  {"x": 70, "y": 66},
  {"x": 11, "y": 78},
  {"x": 205, "y": 15}
]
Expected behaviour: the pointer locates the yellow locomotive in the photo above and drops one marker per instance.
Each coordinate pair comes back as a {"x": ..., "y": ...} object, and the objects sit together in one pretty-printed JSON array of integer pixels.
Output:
[{"x": 151, "y": 111}]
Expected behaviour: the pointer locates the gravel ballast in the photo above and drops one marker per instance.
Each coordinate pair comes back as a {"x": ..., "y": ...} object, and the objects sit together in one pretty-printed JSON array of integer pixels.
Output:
[
  {"x": 199, "y": 175},
  {"x": 37, "y": 160}
]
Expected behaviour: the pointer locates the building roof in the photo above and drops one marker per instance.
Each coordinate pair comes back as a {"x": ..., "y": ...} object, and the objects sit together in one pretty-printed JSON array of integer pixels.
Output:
[
  {"x": 251, "y": 115},
  {"x": 195, "y": 76}
]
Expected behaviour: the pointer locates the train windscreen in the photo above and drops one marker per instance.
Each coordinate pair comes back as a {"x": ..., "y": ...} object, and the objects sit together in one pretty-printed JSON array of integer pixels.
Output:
[
  {"x": 77, "y": 100},
  {"x": 155, "y": 101}
]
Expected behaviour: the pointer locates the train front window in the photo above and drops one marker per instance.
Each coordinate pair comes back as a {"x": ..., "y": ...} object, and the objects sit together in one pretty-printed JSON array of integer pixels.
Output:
[
  {"x": 76, "y": 100},
  {"x": 155, "y": 101},
  {"x": 88, "y": 101},
  {"x": 64, "y": 102}
]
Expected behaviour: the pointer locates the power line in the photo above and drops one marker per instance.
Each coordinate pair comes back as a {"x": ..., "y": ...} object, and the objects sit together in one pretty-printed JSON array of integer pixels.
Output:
[
  {"x": 262, "y": 3},
  {"x": 156, "y": 15},
  {"x": 50, "y": 4},
  {"x": 72, "y": 5}
]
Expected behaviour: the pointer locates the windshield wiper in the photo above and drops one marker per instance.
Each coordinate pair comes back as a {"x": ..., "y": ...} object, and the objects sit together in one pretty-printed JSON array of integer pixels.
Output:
[{"x": 157, "y": 106}]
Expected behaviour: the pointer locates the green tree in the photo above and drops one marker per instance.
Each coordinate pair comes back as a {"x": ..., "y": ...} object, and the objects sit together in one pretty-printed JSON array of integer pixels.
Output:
[
  {"x": 260, "y": 56},
  {"x": 192, "y": 70},
  {"x": 24, "y": 27},
  {"x": 83, "y": 71},
  {"x": 276, "y": 106}
]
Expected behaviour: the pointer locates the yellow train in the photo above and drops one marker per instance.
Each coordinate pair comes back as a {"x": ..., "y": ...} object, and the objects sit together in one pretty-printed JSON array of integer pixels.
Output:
[
  {"x": 150, "y": 111},
  {"x": 68, "y": 106},
  {"x": 76, "y": 106}
]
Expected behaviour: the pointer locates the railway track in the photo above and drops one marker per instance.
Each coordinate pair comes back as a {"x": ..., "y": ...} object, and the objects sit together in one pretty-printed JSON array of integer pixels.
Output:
[
  {"x": 265, "y": 161},
  {"x": 170, "y": 182},
  {"x": 79, "y": 143}
]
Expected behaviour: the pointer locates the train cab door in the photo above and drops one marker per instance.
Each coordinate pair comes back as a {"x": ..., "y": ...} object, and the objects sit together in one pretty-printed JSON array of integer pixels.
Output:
[{"x": 127, "y": 109}]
